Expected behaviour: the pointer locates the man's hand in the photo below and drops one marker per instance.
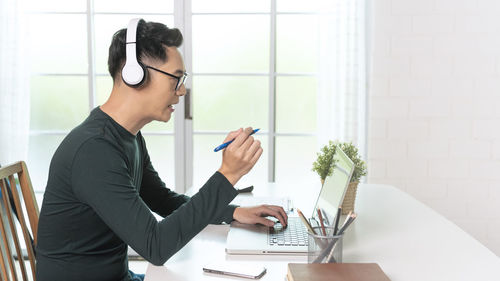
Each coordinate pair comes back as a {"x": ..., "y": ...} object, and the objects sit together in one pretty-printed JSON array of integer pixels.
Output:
[
  {"x": 240, "y": 156},
  {"x": 257, "y": 214}
]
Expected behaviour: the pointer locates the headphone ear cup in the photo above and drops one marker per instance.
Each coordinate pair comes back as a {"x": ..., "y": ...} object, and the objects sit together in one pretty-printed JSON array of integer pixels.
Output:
[
  {"x": 134, "y": 74},
  {"x": 145, "y": 76}
]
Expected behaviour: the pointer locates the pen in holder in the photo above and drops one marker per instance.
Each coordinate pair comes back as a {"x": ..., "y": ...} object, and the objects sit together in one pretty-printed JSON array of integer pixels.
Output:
[{"x": 324, "y": 248}]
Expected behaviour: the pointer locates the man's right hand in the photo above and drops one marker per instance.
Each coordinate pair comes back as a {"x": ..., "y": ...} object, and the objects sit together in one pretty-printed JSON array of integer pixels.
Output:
[{"x": 240, "y": 156}]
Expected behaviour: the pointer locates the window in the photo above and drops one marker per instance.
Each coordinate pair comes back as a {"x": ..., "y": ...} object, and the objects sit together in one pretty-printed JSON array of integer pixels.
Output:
[
  {"x": 253, "y": 63},
  {"x": 263, "y": 52},
  {"x": 70, "y": 76}
]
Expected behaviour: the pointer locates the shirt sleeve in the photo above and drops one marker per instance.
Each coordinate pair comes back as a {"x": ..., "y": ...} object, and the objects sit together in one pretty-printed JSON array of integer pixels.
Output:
[
  {"x": 100, "y": 178},
  {"x": 227, "y": 215},
  {"x": 162, "y": 200},
  {"x": 156, "y": 195}
]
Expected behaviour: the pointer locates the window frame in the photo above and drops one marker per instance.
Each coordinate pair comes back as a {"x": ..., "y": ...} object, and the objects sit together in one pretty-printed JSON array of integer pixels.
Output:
[{"x": 183, "y": 128}]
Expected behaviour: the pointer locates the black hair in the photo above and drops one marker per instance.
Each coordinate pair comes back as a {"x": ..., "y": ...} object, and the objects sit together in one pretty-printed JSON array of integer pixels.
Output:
[{"x": 152, "y": 37}]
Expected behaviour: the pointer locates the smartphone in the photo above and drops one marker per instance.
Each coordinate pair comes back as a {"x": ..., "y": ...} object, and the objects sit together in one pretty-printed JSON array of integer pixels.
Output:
[{"x": 236, "y": 269}]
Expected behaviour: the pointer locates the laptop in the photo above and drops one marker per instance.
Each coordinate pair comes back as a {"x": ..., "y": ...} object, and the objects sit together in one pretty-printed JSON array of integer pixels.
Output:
[{"x": 292, "y": 240}]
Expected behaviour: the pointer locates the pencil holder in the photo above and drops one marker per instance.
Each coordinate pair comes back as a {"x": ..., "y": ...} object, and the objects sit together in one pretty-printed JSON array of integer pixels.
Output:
[{"x": 324, "y": 248}]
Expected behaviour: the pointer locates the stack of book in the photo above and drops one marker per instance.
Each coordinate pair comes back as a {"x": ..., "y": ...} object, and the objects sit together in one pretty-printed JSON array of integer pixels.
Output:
[{"x": 335, "y": 271}]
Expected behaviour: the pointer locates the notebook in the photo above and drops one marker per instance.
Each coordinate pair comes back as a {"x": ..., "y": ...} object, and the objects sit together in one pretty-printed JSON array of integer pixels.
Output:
[
  {"x": 335, "y": 271},
  {"x": 293, "y": 240}
]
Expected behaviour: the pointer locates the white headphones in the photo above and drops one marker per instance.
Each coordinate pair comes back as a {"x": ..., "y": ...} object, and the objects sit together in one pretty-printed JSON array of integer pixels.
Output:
[{"x": 133, "y": 72}]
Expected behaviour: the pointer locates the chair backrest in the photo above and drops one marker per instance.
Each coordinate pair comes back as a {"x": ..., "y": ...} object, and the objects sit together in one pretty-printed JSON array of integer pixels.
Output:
[{"x": 11, "y": 177}]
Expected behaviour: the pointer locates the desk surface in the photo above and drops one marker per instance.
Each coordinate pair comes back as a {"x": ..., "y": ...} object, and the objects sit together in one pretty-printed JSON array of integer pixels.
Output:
[{"x": 407, "y": 239}]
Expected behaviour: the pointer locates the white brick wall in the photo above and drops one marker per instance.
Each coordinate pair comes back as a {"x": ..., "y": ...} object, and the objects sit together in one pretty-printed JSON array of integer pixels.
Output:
[{"x": 434, "y": 124}]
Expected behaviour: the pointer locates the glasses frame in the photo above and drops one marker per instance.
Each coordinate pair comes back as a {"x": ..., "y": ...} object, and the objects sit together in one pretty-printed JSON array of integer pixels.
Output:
[{"x": 181, "y": 80}]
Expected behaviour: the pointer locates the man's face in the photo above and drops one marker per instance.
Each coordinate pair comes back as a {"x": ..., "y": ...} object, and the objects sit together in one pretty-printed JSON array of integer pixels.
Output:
[{"x": 160, "y": 94}]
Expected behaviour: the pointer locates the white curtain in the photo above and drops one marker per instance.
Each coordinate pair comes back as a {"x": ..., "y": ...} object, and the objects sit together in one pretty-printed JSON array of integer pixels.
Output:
[
  {"x": 342, "y": 72},
  {"x": 14, "y": 84}
]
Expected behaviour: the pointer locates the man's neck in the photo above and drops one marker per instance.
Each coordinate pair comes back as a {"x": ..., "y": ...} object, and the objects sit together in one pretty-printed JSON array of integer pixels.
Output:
[{"x": 124, "y": 112}]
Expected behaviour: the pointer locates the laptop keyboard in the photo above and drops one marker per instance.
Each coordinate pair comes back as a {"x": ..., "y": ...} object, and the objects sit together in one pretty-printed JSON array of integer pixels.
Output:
[{"x": 295, "y": 234}]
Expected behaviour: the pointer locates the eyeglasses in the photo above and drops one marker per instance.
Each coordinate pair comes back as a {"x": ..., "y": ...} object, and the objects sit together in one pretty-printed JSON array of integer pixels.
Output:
[{"x": 180, "y": 80}]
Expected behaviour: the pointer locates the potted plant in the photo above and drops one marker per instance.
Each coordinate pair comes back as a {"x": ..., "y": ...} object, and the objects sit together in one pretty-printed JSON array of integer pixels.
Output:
[{"x": 324, "y": 167}]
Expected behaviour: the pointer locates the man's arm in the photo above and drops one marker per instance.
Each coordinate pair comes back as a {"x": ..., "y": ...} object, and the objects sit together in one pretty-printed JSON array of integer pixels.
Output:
[
  {"x": 162, "y": 200},
  {"x": 100, "y": 179},
  {"x": 156, "y": 195}
]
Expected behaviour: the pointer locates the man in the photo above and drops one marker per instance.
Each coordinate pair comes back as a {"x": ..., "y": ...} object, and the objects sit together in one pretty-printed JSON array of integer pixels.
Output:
[{"x": 102, "y": 185}]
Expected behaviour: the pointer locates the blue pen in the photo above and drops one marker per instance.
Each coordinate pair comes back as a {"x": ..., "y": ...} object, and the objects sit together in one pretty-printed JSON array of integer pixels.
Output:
[{"x": 224, "y": 145}]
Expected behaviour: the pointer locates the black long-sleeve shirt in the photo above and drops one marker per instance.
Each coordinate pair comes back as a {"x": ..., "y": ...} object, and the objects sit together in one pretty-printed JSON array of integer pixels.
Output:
[{"x": 99, "y": 196}]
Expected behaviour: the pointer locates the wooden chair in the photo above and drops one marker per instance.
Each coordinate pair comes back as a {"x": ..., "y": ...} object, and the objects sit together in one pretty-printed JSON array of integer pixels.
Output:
[{"x": 8, "y": 226}]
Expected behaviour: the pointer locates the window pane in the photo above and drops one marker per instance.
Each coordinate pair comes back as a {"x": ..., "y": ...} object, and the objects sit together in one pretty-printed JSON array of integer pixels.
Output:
[
  {"x": 231, "y": 43},
  {"x": 230, "y": 6},
  {"x": 206, "y": 161},
  {"x": 297, "y": 6},
  {"x": 133, "y": 6},
  {"x": 294, "y": 158},
  {"x": 58, "y": 102},
  {"x": 296, "y": 43},
  {"x": 58, "y": 43},
  {"x": 40, "y": 152},
  {"x": 55, "y": 5},
  {"x": 103, "y": 87},
  {"x": 296, "y": 104},
  {"x": 107, "y": 25},
  {"x": 161, "y": 152},
  {"x": 104, "y": 84},
  {"x": 228, "y": 103}
]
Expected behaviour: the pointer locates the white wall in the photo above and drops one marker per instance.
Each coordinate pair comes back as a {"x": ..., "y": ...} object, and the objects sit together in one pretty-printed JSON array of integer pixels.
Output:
[{"x": 434, "y": 111}]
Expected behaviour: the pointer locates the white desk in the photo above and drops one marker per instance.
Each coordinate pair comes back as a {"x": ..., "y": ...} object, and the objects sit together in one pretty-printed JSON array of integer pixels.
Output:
[{"x": 406, "y": 238}]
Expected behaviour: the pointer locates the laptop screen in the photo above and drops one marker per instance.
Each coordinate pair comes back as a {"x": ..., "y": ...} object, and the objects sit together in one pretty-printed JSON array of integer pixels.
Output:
[{"x": 335, "y": 186}]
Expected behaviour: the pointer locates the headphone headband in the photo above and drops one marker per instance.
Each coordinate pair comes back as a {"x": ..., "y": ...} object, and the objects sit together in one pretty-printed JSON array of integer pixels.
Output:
[
  {"x": 132, "y": 30},
  {"x": 133, "y": 72}
]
